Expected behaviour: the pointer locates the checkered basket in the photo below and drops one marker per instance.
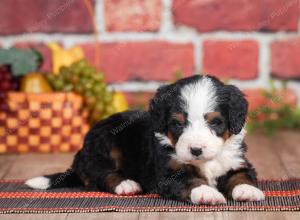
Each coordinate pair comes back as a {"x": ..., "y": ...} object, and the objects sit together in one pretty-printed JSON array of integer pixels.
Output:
[{"x": 48, "y": 122}]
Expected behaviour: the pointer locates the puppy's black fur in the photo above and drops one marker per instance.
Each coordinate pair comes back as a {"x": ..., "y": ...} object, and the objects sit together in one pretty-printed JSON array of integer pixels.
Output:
[{"x": 124, "y": 146}]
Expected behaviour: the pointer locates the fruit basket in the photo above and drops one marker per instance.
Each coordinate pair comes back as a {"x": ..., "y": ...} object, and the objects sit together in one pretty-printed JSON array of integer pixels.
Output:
[
  {"x": 53, "y": 110},
  {"x": 46, "y": 122}
]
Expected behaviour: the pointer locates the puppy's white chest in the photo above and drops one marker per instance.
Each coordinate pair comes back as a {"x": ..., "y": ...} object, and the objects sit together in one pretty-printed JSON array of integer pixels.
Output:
[
  {"x": 220, "y": 166},
  {"x": 212, "y": 170}
]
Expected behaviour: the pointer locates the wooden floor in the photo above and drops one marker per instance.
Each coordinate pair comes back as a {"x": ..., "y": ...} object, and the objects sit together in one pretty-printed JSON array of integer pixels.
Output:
[{"x": 276, "y": 157}]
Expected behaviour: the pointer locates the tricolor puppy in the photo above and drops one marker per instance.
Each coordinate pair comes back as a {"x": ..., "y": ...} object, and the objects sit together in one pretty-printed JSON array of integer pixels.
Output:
[{"x": 188, "y": 146}]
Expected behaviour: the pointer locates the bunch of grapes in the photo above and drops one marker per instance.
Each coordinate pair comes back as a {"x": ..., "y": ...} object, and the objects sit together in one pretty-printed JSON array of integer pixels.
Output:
[{"x": 85, "y": 80}]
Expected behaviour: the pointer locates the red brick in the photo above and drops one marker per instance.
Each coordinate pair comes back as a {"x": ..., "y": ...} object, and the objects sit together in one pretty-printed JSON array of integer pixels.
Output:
[
  {"x": 132, "y": 15},
  {"x": 139, "y": 100},
  {"x": 18, "y": 16},
  {"x": 285, "y": 58},
  {"x": 151, "y": 60},
  {"x": 43, "y": 49},
  {"x": 231, "y": 59},
  {"x": 257, "y": 99},
  {"x": 237, "y": 15}
]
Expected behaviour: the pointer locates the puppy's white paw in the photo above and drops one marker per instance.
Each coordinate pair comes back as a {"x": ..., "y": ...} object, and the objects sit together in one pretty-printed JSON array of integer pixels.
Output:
[
  {"x": 39, "y": 182},
  {"x": 128, "y": 187},
  {"x": 206, "y": 195},
  {"x": 246, "y": 192}
]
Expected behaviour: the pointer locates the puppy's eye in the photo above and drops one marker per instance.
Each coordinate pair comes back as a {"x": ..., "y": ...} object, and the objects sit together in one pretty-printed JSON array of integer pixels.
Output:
[
  {"x": 216, "y": 122},
  {"x": 177, "y": 124}
]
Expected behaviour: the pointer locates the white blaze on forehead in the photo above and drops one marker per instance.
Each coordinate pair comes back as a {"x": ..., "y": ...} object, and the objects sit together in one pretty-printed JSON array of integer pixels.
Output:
[{"x": 200, "y": 98}]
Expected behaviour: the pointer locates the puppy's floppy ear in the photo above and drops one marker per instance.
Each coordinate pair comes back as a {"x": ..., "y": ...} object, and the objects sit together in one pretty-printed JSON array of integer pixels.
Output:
[
  {"x": 159, "y": 107},
  {"x": 236, "y": 107}
]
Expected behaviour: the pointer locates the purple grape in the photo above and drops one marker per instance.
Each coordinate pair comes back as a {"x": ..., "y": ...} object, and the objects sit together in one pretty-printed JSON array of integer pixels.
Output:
[{"x": 6, "y": 79}]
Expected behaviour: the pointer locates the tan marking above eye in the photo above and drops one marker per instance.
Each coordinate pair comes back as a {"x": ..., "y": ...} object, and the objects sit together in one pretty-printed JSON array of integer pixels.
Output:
[
  {"x": 179, "y": 117},
  {"x": 209, "y": 117},
  {"x": 212, "y": 115}
]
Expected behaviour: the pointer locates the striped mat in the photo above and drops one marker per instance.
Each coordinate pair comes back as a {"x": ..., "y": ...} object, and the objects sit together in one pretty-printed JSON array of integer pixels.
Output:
[{"x": 15, "y": 197}]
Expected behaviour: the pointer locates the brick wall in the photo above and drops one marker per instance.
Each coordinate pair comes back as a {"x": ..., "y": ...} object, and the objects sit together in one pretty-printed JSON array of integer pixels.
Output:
[{"x": 144, "y": 42}]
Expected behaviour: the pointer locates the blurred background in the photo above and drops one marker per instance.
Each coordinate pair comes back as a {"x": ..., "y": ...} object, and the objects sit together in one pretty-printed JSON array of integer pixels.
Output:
[{"x": 68, "y": 63}]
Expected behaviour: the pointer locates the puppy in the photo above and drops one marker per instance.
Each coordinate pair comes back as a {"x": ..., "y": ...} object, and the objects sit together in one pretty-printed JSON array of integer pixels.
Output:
[{"x": 189, "y": 146}]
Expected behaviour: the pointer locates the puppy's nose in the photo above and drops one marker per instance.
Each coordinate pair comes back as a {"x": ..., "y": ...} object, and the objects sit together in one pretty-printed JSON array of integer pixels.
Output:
[{"x": 196, "y": 151}]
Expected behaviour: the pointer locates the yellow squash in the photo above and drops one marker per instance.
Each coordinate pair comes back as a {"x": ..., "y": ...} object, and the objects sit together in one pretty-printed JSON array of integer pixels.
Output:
[{"x": 62, "y": 57}]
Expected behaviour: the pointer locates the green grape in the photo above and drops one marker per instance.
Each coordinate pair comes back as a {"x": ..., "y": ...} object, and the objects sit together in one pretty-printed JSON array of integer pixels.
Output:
[
  {"x": 89, "y": 72},
  {"x": 79, "y": 88},
  {"x": 99, "y": 88},
  {"x": 110, "y": 109},
  {"x": 63, "y": 70},
  {"x": 76, "y": 71},
  {"x": 88, "y": 94},
  {"x": 78, "y": 65},
  {"x": 68, "y": 88},
  {"x": 60, "y": 78},
  {"x": 99, "y": 106},
  {"x": 58, "y": 85},
  {"x": 98, "y": 77},
  {"x": 83, "y": 81},
  {"x": 107, "y": 98},
  {"x": 51, "y": 77},
  {"x": 82, "y": 63},
  {"x": 88, "y": 85}
]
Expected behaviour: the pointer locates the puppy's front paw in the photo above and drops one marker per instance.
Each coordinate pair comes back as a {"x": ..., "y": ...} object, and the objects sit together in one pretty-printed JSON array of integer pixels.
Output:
[
  {"x": 128, "y": 187},
  {"x": 245, "y": 192},
  {"x": 206, "y": 195}
]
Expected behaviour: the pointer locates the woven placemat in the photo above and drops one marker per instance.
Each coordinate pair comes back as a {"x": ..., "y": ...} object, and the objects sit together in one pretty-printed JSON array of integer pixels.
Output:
[{"x": 15, "y": 197}]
